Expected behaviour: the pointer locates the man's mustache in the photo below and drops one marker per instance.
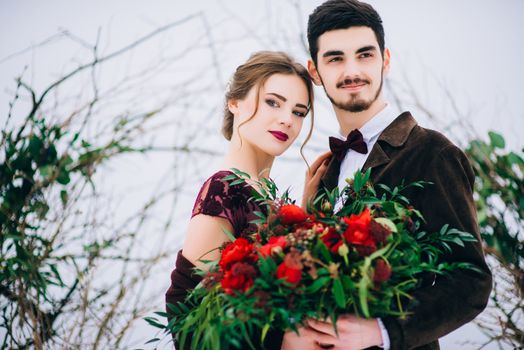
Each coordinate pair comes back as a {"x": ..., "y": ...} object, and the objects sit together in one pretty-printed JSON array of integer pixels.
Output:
[{"x": 352, "y": 81}]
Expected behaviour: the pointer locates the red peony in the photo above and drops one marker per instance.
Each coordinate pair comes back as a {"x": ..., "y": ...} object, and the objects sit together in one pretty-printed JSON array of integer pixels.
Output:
[
  {"x": 292, "y": 214},
  {"x": 239, "y": 278},
  {"x": 357, "y": 233},
  {"x": 239, "y": 250},
  {"x": 274, "y": 244},
  {"x": 382, "y": 271},
  {"x": 291, "y": 268}
]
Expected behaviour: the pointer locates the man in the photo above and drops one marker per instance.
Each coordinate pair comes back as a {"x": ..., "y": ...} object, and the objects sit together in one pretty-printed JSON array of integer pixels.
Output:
[{"x": 349, "y": 59}]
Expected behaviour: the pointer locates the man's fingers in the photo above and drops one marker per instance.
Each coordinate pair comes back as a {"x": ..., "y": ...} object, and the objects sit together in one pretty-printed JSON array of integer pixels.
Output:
[
  {"x": 317, "y": 336},
  {"x": 322, "y": 327}
]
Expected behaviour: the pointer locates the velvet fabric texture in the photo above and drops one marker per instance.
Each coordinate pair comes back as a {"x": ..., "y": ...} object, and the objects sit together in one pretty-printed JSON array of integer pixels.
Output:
[{"x": 406, "y": 151}]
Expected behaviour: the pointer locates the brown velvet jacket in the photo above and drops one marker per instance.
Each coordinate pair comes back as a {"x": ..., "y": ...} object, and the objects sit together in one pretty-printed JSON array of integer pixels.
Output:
[{"x": 406, "y": 151}]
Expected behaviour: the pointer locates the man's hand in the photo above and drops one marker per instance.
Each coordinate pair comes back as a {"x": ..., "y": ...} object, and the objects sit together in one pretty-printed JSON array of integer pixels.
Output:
[
  {"x": 353, "y": 333},
  {"x": 313, "y": 175},
  {"x": 294, "y": 341}
]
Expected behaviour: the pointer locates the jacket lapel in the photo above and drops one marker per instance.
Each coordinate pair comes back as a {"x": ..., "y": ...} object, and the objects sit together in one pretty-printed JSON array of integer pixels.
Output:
[{"x": 396, "y": 135}]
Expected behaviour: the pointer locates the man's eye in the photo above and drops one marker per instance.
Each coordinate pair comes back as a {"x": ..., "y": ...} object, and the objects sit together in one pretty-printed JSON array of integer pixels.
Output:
[
  {"x": 272, "y": 102},
  {"x": 366, "y": 55},
  {"x": 335, "y": 59}
]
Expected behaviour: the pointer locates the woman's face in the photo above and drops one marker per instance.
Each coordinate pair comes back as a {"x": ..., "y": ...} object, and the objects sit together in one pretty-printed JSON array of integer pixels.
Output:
[{"x": 282, "y": 107}]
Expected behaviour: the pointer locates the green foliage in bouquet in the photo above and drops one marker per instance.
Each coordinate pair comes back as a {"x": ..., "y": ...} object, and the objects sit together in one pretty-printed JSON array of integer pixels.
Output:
[{"x": 364, "y": 259}]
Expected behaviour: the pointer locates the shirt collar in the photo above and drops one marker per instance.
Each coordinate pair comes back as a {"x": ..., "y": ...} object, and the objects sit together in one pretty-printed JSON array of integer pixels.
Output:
[{"x": 377, "y": 124}]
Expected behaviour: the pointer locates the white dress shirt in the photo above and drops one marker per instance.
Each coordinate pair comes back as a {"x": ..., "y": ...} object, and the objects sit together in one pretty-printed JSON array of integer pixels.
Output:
[{"x": 354, "y": 161}]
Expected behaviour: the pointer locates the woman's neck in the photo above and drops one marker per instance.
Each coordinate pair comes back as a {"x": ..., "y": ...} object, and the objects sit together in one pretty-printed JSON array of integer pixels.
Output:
[{"x": 245, "y": 158}]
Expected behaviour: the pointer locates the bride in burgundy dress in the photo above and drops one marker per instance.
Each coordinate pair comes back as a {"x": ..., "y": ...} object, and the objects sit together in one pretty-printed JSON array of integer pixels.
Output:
[{"x": 268, "y": 99}]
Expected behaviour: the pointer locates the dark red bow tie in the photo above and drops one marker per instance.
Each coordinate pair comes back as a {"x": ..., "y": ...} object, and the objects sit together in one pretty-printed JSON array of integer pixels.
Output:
[{"x": 355, "y": 141}]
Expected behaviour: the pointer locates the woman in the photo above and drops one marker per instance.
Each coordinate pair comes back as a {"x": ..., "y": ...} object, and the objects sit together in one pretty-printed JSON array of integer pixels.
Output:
[{"x": 267, "y": 102}]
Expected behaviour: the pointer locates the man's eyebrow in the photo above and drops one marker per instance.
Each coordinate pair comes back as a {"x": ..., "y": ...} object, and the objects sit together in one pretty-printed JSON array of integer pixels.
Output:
[
  {"x": 333, "y": 53},
  {"x": 282, "y": 98},
  {"x": 366, "y": 48}
]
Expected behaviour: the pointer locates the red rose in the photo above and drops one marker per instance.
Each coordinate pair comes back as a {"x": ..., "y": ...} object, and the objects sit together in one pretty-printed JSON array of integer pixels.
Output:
[
  {"x": 239, "y": 250},
  {"x": 358, "y": 234},
  {"x": 239, "y": 278},
  {"x": 291, "y": 268},
  {"x": 382, "y": 271},
  {"x": 332, "y": 239},
  {"x": 292, "y": 214},
  {"x": 274, "y": 244}
]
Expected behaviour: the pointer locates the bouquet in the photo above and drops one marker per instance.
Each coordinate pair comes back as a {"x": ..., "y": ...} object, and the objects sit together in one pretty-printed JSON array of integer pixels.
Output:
[{"x": 365, "y": 259}]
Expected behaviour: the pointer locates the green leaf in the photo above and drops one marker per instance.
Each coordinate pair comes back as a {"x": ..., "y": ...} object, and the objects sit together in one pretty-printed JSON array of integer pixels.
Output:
[
  {"x": 514, "y": 158},
  {"x": 154, "y": 322},
  {"x": 338, "y": 292},
  {"x": 388, "y": 223},
  {"x": 229, "y": 235},
  {"x": 63, "y": 178},
  {"x": 496, "y": 140},
  {"x": 318, "y": 284},
  {"x": 64, "y": 197},
  {"x": 154, "y": 340}
]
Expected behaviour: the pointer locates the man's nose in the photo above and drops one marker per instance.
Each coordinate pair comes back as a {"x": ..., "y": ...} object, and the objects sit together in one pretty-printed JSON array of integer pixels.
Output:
[{"x": 351, "y": 69}]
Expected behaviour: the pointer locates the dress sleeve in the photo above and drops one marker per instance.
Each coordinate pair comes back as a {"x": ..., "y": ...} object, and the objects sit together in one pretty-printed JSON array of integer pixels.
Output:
[{"x": 219, "y": 198}]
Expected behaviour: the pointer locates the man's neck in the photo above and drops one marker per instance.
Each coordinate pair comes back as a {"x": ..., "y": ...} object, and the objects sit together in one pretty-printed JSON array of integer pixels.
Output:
[{"x": 350, "y": 121}]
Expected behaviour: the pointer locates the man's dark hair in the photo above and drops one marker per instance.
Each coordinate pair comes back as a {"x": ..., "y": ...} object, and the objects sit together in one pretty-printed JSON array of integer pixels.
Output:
[{"x": 342, "y": 14}]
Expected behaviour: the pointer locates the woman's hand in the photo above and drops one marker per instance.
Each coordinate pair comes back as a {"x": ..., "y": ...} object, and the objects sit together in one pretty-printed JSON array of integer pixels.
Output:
[{"x": 313, "y": 176}]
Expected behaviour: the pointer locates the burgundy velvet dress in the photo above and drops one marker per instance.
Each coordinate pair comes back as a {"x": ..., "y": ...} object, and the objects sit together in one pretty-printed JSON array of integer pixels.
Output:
[{"x": 218, "y": 198}]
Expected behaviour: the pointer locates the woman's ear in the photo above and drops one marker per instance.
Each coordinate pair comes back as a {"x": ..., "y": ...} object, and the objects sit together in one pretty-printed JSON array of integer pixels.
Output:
[{"x": 232, "y": 105}]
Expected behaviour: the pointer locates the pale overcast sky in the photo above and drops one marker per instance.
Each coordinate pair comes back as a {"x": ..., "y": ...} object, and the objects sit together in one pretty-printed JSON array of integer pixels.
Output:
[{"x": 469, "y": 47}]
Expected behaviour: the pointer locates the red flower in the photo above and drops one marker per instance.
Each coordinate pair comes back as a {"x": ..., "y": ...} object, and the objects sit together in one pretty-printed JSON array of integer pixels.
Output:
[
  {"x": 292, "y": 214},
  {"x": 332, "y": 239},
  {"x": 291, "y": 268},
  {"x": 382, "y": 271},
  {"x": 379, "y": 232},
  {"x": 239, "y": 250},
  {"x": 239, "y": 278},
  {"x": 274, "y": 244},
  {"x": 358, "y": 233}
]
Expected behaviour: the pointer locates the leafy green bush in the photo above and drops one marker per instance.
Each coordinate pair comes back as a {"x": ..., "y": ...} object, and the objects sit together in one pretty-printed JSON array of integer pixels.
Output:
[
  {"x": 43, "y": 169},
  {"x": 499, "y": 195}
]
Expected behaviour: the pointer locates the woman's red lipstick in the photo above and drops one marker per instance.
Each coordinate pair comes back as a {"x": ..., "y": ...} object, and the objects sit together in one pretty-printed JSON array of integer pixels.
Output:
[{"x": 279, "y": 135}]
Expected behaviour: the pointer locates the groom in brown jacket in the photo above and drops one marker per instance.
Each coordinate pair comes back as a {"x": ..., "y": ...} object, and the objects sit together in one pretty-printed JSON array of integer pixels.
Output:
[{"x": 349, "y": 59}]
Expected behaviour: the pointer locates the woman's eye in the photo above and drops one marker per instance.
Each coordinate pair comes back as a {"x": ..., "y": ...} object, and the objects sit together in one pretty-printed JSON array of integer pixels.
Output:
[
  {"x": 299, "y": 114},
  {"x": 272, "y": 102}
]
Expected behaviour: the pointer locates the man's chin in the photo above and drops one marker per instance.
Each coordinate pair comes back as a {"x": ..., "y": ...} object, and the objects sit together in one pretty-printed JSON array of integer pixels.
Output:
[{"x": 353, "y": 106}]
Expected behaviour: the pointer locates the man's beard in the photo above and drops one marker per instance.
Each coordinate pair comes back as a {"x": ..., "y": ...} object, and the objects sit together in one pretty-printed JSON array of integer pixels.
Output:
[{"x": 355, "y": 104}]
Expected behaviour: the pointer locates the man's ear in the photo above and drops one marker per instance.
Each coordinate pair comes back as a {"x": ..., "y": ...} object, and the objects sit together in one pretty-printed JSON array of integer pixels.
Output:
[
  {"x": 232, "y": 105},
  {"x": 313, "y": 73},
  {"x": 387, "y": 59}
]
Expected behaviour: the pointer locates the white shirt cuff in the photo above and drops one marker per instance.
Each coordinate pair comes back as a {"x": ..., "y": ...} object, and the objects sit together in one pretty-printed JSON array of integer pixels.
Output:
[{"x": 385, "y": 336}]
